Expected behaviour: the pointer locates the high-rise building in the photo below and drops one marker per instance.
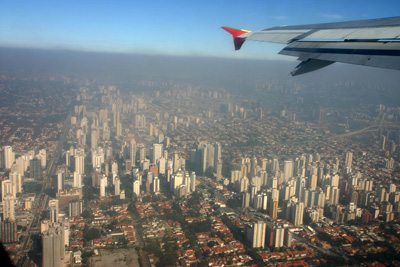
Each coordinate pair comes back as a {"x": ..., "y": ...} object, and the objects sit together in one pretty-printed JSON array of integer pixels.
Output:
[
  {"x": 218, "y": 167},
  {"x": 334, "y": 195},
  {"x": 257, "y": 202},
  {"x": 7, "y": 187},
  {"x": 136, "y": 187},
  {"x": 53, "y": 206},
  {"x": 79, "y": 161},
  {"x": 382, "y": 142},
  {"x": 287, "y": 169},
  {"x": 16, "y": 180},
  {"x": 117, "y": 186},
  {"x": 245, "y": 199},
  {"x": 192, "y": 181},
  {"x": 140, "y": 121},
  {"x": 97, "y": 157},
  {"x": 244, "y": 184},
  {"x": 156, "y": 185},
  {"x": 157, "y": 152},
  {"x": 53, "y": 246},
  {"x": 142, "y": 152},
  {"x": 35, "y": 168},
  {"x": 94, "y": 137},
  {"x": 77, "y": 180},
  {"x": 119, "y": 129},
  {"x": 273, "y": 209},
  {"x": 389, "y": 163},
  {"x": 256, "y": 234},
  {"x": 312, "y": 181},
  {"x": 8, "y": 231},
  {"x": 67, "y": 158},
  {"x": 217, "y": 154},
  {"x": 75, "y": 208},
  {"x": 297, "y": 213},
  {"x": 162, "y": 165},
  {"x": 279, "y": 236},
  {"x": 103, "y": 185},
  {"x": 8, "y": 207},
  {"x": 21, "y": 165},
  {"x": 43, "y": 157},
  {"x": 177, "y": 179},
  {"x": 348, "y": 160},
  {"x": 60, "y": 180},
  {"x": 9, "y": 157},
  {"x": 133, "y": 152}
]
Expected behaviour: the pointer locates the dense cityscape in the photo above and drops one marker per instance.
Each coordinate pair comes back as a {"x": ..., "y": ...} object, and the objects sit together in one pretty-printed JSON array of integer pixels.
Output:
[{"x": 170, "y": 171}]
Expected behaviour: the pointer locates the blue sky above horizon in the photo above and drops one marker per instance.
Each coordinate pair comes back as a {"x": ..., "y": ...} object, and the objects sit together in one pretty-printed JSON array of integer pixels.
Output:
[{"x": 169, "y": 27}]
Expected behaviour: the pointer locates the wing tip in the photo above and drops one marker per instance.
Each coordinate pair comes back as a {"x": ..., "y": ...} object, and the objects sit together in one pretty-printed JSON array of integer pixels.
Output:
[{"x": 236, "y": 34}]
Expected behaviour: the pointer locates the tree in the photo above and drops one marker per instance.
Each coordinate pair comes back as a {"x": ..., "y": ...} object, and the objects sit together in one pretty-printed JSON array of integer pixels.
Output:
[
  {"x": 146, "y": 199},
  {"x": 168, "y": 260},
  {"x": 91, "y": 233},
  {"x": 86, "y": 214}
]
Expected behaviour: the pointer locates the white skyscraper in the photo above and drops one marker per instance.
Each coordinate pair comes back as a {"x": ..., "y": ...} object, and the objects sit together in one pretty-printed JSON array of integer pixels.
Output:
[
  {"x": 7, "y": 188},
  {"x": 264, "y": 201},
  {"x": 162, "y": 165},
  {"x": 67, "y": 158},
  {"x": 136, "y": 187},
  {"x": 177, "y": 179},
  {"x": 103, "y": 185},
  {"x": 53, "y": 206},
  {"x": 392, "y": 188},
  {"x": 8, "y": 207},
  {"x": 218, "y": 167},
  {"x": 156, "y": 185},
  {"x": 192, "y": 181},
  {"x": 279, "y": 236},
  {"x": 79, "y": 161},
  {"x": 97, "y": 157},
  {"x": 157, "y": 152},
  {"x": 114, "y": 167},
  {"x": 16, "y": 180},
  {"x": 287, "y": 169},
  {"x": 43, "y": 157},
  {"x": 77, "y": 180},
  {"x": 94, "y": 136},
  {"x": 117, "y": 186},
  {"x": 9, "y": 157},
  {"x": 53, "y": 250},
  {"x": 22, "y": 165},
  {"x": 258, "y": 234},
  {"x": 60, "y": 180},
  {"x": 349, "y": 160}
]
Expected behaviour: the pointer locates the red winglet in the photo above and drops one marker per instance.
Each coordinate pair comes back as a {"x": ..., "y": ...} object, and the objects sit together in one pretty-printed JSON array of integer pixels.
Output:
[{"x": 238, "y": 42}]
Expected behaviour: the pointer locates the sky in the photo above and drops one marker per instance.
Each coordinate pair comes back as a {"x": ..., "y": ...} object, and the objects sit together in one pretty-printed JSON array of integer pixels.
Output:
[{"x": 183, "y": 28}]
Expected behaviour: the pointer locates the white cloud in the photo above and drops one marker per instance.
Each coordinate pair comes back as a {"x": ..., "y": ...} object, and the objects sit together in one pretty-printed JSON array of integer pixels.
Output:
[
  {"x": 332, "y": 16},
  {"x": 278, "y": 17}
]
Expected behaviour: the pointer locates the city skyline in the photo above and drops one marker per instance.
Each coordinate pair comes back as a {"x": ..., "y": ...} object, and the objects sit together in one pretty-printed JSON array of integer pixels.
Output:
[{"x": 131, "y": 133}]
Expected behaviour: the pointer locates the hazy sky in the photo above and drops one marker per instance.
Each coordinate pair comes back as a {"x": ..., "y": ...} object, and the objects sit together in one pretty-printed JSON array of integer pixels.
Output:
[{"x": 169, "y": 27}]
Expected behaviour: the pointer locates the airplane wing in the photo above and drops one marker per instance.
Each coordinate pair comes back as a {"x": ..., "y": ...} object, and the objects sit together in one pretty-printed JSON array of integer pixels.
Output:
[{"x": 374, "y": 42}]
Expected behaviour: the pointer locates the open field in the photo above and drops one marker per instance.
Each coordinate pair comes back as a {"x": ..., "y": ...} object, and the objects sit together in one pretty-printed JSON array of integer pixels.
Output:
[{"x": 116, "y": 257}]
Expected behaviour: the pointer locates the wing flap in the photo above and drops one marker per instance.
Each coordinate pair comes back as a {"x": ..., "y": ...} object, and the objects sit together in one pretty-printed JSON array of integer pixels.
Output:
[
  {"x": 276, "y": 36},
  {"x": 310, "y": 65},
  {"x": 376, "y": 33}
]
